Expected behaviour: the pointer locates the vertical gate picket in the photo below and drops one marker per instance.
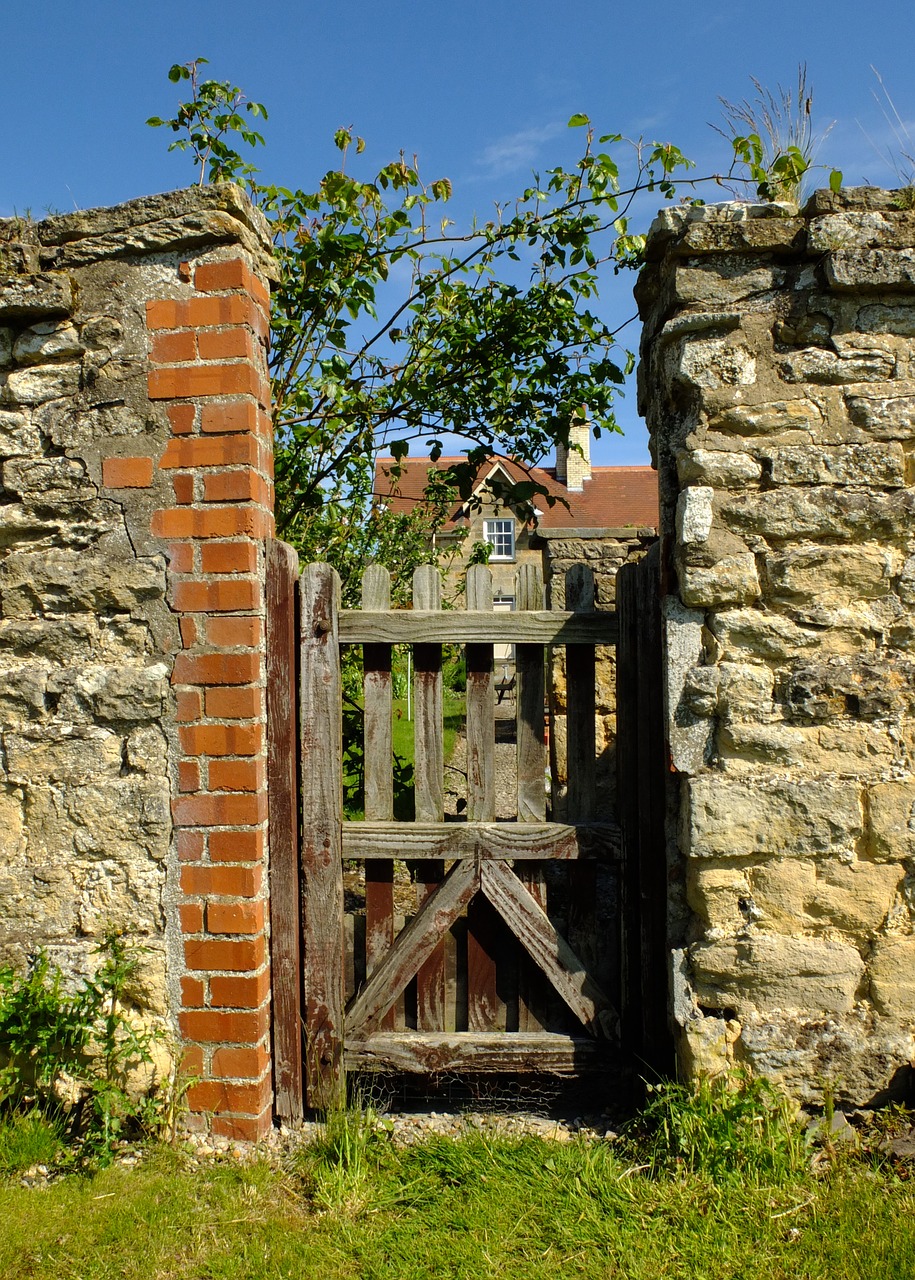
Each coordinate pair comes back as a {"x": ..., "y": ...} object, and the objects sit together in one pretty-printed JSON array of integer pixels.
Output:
[
  {"x": 581, "y": 763},
  {"x": 531, "y": 768},
  {"x": 322, "y": 841},
  {"x": 379, "y": 778},
  {"x": 429, "y": 766},
  {"x": 282, "y": 788},
  {"x": 627, "y": 722},
  {"x": 485, "y": 1012}
]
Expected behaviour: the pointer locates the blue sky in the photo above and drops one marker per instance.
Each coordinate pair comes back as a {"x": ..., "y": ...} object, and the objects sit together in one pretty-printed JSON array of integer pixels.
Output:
[{"x": 479, "y": 91}]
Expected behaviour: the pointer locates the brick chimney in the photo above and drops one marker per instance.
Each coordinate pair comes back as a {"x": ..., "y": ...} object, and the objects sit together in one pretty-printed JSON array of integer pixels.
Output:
[{"x": 574, "y": 468}]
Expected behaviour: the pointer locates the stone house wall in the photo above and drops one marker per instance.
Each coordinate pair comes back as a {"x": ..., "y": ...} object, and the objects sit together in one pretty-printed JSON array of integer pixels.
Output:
[
  {"x": 136, "y": 452},
  {"x": 778, "y": 379}
]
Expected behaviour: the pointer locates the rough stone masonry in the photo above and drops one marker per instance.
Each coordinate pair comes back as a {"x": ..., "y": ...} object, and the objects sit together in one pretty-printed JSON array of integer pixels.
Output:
[
  {"x": 136, "y": 452},
  {"x": 778, "y": 379}
]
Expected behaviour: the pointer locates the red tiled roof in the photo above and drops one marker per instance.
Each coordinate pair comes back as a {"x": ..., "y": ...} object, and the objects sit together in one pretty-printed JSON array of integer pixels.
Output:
[{"x": 614, "y": 497}]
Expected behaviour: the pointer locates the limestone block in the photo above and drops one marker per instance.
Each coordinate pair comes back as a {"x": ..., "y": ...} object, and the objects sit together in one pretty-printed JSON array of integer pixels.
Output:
[
  {"x": 837, "y": 575},
  {"x": 112, "y": 892},
  {"x": 753, "y": 633},
  {"x": 49, "y": 293},
  {"x": 62, "y": 753},
  {"x": 706, "y": 1046},
  {"x": 831, "y": 368},
  {"x": 724, "y": 280},
  {"x": 745, "y": 690},
  {"x": 766, "y": 972},
  {"x": 47, "y": 340},
  {"x": 862, "y": 229},
  {"x": 61, "y": 581},
  {"x": 891, "y": 820},
  {"x": 774, "y": 418},
  {"x": 731, "y": 580},
  {"x": 866, "y": 749},
  {"x": 713, "y": 363},
  {"x": 48, "y": 480},
  {"x": 700, "y": 690},
  {"x": 898, "y": 319},
  {"x": 725, "y": 817},
  {"x": 864, "y": 1058},
  {"x": 792, "y": 513},
  {"x": 884, "y": 417},
  {"x": 78, "y": 427},
  {"x": 765, "y": 234},
  {"x": 694, "y": 514},
  {"x": 126, "y": 818},
  {"x": 44, "y": 382},
  {"x": 715, "y": 894},
  {"x": 854, "y": 898},
  {"x": 18, "y": 438},
  {"x": 867, "y": 687},
  {"x": 892, "y": 974},
  {"x": 688, "y": 735},
  {"x": 874, "y": 465},
  {"x": 22, "y": 691},
  {"x": 719, "y": 470},
  {"x": 744, "y": 747},
  {"x": 147, "y": 750},
  {"x": 126, "y": 694},
  {"x": 866, "y": 270},
  {"x": 12, "y": 825}
]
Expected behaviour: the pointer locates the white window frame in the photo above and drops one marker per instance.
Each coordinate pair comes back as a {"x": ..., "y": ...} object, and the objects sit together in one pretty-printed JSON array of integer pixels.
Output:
[{"x": 495, "y": 533}]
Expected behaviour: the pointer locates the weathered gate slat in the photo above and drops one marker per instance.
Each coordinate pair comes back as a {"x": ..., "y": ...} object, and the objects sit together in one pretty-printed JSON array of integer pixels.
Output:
[
  {"x": 500, "y": 840},
  {"x": 321, "y": 854},
  {"x": 412, "y": 948},
  {"x": 480, "y": 1053},
  {"x": 531, "y": 774},
  {"x": 379, "y": 775},
  {"x": 429, "y": 767},
  {"x": 282, "y": 787},
  {"x": 534, "y": 929},
  {"x": 461, "y": 626}
]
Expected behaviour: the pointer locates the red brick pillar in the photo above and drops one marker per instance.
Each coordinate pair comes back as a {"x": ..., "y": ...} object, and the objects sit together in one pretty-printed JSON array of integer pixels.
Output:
[{"x": 208, "y": 357}]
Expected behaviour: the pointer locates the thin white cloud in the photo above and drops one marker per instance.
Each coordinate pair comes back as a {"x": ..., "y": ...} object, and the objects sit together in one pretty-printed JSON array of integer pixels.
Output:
[{"x": 515, "y": 151}]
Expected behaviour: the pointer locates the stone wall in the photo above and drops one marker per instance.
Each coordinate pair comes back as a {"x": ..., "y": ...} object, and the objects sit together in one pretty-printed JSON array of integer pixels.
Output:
[
  {"x": 136, "y": 451},
  {"x": 602, "y": 551},
  {"x": 778, "y": 379}
]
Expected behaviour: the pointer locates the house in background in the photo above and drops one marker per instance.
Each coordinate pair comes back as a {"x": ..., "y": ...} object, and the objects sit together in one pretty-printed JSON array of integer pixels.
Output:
[{"x": 592, "y": 502}]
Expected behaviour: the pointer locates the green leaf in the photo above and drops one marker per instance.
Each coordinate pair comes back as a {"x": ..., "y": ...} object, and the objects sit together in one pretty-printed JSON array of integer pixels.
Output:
[
  {"x": 576, "y": 121},
  {"x": 835, "y": 180}
]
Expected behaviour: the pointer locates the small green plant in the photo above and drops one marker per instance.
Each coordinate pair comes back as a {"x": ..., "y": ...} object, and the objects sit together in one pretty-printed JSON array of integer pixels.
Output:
[
  {"x": 338, "y": 1166},
  {"x": 208, "y": 121},
  {"x": 68, "y": 1056},
  {"x": 736, "y": 1126},
  {"x": 27, "y": 1139}
]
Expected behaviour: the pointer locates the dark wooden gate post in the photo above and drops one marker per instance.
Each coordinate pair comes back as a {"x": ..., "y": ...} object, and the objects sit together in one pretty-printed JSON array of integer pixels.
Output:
[
  {"x": 322, "y": 836},
  {"x": 282, "y": 789}
]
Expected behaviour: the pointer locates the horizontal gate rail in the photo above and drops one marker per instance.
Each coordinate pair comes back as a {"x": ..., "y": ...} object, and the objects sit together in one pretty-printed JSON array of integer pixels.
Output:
[
  {"x": 475, "y": 626},
  {"x": 529, "y": 841},
  {"x": 488, "y": 1052}
]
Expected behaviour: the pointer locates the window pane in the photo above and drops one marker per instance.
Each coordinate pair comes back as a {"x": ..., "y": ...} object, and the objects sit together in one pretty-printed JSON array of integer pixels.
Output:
[{"x": 500, "y": 534}]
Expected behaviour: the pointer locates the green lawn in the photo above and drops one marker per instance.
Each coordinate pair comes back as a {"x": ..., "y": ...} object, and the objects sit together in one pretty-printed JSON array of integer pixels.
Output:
[{"x": 478, "y": 1207}]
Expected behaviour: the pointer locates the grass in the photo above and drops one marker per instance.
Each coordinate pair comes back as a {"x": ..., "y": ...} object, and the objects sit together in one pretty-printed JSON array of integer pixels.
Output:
[
  {"x": 453, "y": 717},
  {"x": 354, "y": 1207}
]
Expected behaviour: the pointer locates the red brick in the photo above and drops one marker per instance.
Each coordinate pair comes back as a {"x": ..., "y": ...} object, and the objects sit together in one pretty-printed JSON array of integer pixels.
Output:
[
  {"x": 236, "y": 486},
  {"x": 191, "y": 914},
  {"x": 221, "y": 881},
  {"x": 237, "y": 415},
  {"x": 228, "y": 809},
  {"x": 227, "y": 344},
  {"x": 210, "y": 451},
  {"x": 220, "y": 739},
  {"x": 173, "y": 348},
  {"x": 188, "y": 629},
  {"x": 181, "y": 557},
  {"x": 235, "y": 775},
  {"x": 234, "y": 704},
  {"x": 190, "y": 845},
  {"x": 245, "y": 1064},
  {"x": 184, "y": 272},
  {"x": 228, "y": 273},
  {"x": 234, "y": 917},
  {"x": 216, "y": 668},
  {"x": 239, "y": 993},
  {"x": 196, "y": 313},
  {"x": 239, "y": 1129},
  {"x": 230, "y": 633},
  {"x": 212, "y": 522},
  {"x": 192, "y": 1060},
  {"x": 209, "y": 1026},
  {"x": 237, "y": 846},
  {"x": 174, "y": 383},
  {"x": 241, "y": 956},
  {"x": 229, "y": 595},
  {"x": 229, "y": 557},
  {"x": 192, "y": 996},
  {"x": 188, "y": 775},
  {"x": 127, "y": 473},
  {"x": 188, "y": 703},
  {"x": 217, "y": 1095},
  {"x": 181, "y": 417},
  {"x": 183, "y": 486}
]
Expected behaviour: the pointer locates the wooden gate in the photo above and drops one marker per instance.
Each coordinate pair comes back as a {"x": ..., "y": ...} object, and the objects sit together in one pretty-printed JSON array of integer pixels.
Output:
[{"x": 490, "y": 967}]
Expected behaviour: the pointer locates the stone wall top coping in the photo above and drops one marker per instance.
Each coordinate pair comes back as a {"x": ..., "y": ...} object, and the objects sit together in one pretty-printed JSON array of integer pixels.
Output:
[
  {"x": 170, "y": 221},
  {"x": 583, "y": 535}
]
